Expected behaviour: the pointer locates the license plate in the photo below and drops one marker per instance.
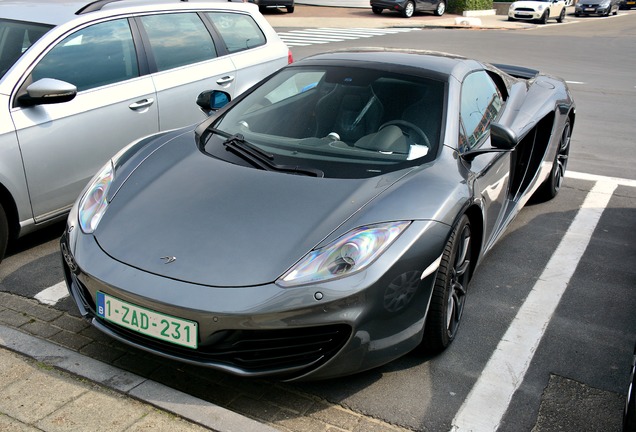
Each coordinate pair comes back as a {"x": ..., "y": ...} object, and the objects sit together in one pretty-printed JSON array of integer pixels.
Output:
[
  {"x": 147, "y": 322},
  {"x": 589, "y": 9},
  {"x": 631, "y": 3}
]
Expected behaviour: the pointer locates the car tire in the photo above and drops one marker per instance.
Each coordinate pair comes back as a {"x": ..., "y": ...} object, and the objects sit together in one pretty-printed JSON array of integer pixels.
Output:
[
  {"x": 440, "y": 9},
  {"x": 544, "y": 17},
  {"x": 290, "y": 9},
  {"x": 376, "y": 10},
  {"x": 449, "y": 292},
  {"x": 629, "y": 412},
  {"x": 4, "y": 232},
  {"x": 550, "y": 187},
  {"x": 409, "y": 9},
  {"x": 561, "y": 17},
  {"x": 576, "y": 14},
  {"x": 511, "y": 19}
]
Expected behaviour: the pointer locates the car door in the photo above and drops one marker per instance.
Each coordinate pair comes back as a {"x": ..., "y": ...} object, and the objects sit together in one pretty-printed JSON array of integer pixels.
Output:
[
  {"x": 480, "y": 105},
  {"x": 63, "y": 145},
  {"x": 185, "y": 59}
]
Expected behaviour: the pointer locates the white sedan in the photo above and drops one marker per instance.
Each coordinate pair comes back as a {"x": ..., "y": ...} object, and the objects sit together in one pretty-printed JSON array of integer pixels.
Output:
[{"x": 537, "y": 10}]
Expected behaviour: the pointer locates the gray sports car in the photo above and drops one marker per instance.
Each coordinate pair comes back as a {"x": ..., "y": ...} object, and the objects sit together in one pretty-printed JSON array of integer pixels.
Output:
[{"x": 325, "y": 222}]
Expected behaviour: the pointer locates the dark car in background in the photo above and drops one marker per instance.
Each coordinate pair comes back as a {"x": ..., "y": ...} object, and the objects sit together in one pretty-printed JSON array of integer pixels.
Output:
[
  {"x": 627, "y": 4},
  {"x": 408, "y": 7},
  {"x": 264, "y": 4},
  {"x": 596, "y": 7}
]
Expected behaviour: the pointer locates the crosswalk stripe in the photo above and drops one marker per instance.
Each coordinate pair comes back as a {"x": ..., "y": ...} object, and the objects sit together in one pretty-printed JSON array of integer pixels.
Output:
[{"x": 326, "y": 35}]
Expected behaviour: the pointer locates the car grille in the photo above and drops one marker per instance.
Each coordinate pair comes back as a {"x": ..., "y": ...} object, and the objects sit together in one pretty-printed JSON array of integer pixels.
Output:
[
  {"x": 524, "y": 10},
  {"x": 284, "y": 352}
]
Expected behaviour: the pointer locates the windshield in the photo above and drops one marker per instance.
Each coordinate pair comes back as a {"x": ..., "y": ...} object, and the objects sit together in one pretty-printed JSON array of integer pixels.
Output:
[
  {"x": 342, "y": 121},
  {"x": 15, "y": 38}
]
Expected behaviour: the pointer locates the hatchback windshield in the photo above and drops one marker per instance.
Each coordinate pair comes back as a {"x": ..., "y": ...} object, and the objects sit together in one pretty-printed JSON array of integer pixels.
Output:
[
  {"x": 15, "y": 38},
  {"x": 341, "y": 121}
]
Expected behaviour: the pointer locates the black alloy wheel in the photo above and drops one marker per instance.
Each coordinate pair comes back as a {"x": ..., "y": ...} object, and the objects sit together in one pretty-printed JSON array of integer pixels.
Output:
[
  {"x": 441, "y": 8},
  {"x": 550, "y": 188},
  {"x": 449, "y": 293}
]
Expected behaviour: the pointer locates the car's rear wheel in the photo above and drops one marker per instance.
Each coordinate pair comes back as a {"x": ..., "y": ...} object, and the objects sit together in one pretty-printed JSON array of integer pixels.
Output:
[
  {"x": 409, "y": 9},
  {"x": 441, "y": 8},
  {"x": 376, "y": 10},
  {"x": 290, "y": 9},
  {"x": 550, "y": 188},
  {"x": 449, "y": 293},
  {"x": 561, "y": 17},
  {"x": 4, "y": 232}
]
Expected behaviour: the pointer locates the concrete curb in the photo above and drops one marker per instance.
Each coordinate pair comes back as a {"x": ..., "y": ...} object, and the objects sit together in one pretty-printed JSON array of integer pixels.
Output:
[{"x": 160, "y": 396}]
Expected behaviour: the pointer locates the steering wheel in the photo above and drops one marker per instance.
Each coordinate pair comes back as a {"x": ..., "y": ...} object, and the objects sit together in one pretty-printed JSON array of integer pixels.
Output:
[{"x": 403, "y": 124}]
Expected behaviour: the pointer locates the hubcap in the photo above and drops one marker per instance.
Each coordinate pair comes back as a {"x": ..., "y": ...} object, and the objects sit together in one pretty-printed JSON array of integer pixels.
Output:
[
  {"x": 441, "y": 8},
  {"x": 409, "y": 9},
  {"x": 459, "y": 279},
  {"x": 562, "y": 157}
]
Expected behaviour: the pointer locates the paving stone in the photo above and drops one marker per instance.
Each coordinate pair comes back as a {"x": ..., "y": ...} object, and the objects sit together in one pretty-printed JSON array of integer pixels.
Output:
[
  {"x": 70, "y": 340},
  {"x": 87, "y": 413},
  {"x": 139, "y": 364},
  {"x": 96, "y": 335},
  {"x": 70, "y": 323},
  {"x": 256, "y": 409},
  {"x": 371, "y": 425},
  {"x": 41, "y": 395},
  {"x": 295, "y": 422},
  {"x": 7, "y": 424},
  {"x": 289, "y": 400},
  {"x": 40, "y": 328},
  {"x": 31, "y": 307},
  {"x": 99, "y": 351},
  {"x": 13, "y": 318},
  {"x": 334, "y": 415}
]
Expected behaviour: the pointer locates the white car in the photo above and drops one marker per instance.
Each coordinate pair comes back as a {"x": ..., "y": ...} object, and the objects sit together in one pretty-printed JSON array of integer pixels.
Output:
[
  {"x": 537, "y": 10},
  {"x": 80, "y": 80}
]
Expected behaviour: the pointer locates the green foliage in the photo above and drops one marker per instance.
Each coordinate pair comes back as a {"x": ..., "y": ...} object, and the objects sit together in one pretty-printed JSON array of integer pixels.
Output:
[{"x": 459, "y": 6}]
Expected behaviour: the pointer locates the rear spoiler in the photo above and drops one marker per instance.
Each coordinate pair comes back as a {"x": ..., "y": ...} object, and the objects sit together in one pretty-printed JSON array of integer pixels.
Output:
[{"x": 518, "y": 71}]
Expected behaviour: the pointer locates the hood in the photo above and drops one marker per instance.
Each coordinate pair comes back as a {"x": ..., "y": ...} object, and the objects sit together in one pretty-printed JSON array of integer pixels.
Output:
[{"x": 226, "y": 225}]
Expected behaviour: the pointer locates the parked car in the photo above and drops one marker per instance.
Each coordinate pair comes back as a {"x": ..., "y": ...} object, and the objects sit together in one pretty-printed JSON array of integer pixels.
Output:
[
  {"x": 627, "y": 4},
  {"x": 537, "y": 10},
  {"x": 327, "y": 221},
  {"x": 79, "y": 81},
  {"x": 264, "y": 4},
  {"x": 629, "y": 411},
  {"x": 408, "y": 7},
  {"x": 596, "y": 7}
]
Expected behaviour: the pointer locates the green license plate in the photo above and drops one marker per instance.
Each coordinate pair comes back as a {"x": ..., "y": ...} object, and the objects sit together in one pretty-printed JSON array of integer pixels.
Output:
[{"x": 147, "y": 322}]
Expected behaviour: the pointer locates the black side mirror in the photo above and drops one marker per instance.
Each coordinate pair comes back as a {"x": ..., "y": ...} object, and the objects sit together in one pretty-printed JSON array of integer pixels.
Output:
[
  {"x": 47, "y": 91},
  {"x": 212, "y": 100},
  {"x": 502, "y": 139}
]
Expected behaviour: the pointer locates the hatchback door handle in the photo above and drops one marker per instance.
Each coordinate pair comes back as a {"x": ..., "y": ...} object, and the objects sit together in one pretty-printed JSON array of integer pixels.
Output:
[
  {"x": 145, "y": 103},
  {"x": 225, "y": 80}
]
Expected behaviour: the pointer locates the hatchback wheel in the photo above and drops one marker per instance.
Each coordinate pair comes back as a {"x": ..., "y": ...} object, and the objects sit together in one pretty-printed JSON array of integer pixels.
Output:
[
  {"x": 561, "y": 17},
  {"x": 290, "y": 9},
  {"x": 441, "y": 8},
  {"x": 449, "y": 293},
  {"x": 376, "y": 10},
  {"x": 409, "y": 9},
  {"x": 544, "y": 17}
]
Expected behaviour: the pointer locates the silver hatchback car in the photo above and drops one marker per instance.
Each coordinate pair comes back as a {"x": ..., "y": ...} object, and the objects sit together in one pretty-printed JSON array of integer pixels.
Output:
[{"x": 79, "y": 81}]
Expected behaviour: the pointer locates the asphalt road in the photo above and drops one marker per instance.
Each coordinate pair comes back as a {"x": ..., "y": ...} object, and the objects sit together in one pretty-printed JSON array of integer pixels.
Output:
[{"x": 577, "y": 373}]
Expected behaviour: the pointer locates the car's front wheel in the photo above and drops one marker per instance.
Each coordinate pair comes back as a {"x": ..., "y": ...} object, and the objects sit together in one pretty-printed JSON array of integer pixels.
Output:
[
  {"x": 441, "y": 8},
  {"x": 290, "y": 9},
  {"x": 4, "y": 232},
  {"x": 544, "y": 17},
  {"x": 376, "y": 10},
  {"x": 449, "y": 293},
  {"x": 561, "y": 17},
  {"x": 409, "y": 9},
  {"x": 550, "y": 188}
]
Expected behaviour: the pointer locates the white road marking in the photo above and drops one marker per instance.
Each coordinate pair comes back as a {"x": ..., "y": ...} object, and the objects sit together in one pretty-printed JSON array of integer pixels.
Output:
[
  {"x": 52, "y": 295},
  {"x": 490, "y": 397},
  {"x": 326, "y": 35},
  {"x": 598, "y": 178}
]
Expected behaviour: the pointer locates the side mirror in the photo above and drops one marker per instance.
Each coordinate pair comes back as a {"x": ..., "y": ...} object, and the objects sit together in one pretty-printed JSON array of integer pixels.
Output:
[
  {"x": 47, "y": 91},
  {"x": 212, "y": 100},
  {"x": 502, "y": 137}
]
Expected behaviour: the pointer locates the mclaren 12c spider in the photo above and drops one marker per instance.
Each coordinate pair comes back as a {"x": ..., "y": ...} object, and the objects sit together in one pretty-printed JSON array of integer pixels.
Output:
[{"x": 327, "y": 221}]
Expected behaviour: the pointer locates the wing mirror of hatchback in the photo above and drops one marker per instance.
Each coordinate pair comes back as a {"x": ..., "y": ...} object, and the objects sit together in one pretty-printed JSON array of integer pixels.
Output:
[
  {"x": 212, "y": 100},
  {"x": 502, "y": 139},
  {"x": 47, "y": 91}
]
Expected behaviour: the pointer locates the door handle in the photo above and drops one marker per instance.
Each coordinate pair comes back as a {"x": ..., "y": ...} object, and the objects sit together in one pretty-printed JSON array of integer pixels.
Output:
[
  {"x": 225, "y": 80},
  {"x": 145, "y": 103}
]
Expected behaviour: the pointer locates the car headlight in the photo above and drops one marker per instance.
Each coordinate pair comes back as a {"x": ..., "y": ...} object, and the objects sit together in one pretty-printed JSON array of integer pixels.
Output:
[
  {"x": 349, "y": 254},
  {"x": 94, "y": 201},
  {"x": 540, "y": 8}
]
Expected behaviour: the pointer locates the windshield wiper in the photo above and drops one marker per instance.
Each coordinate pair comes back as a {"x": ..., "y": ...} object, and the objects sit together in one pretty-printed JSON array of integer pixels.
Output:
[{"x": 263, "y": 160}]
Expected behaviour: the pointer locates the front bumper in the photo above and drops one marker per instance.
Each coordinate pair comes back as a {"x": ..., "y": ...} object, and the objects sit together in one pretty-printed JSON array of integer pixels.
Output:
[
  {"x": 525, "y": 14},
  {"x": 582, "y": 9},
  {"x": 309, "y": 332}
]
